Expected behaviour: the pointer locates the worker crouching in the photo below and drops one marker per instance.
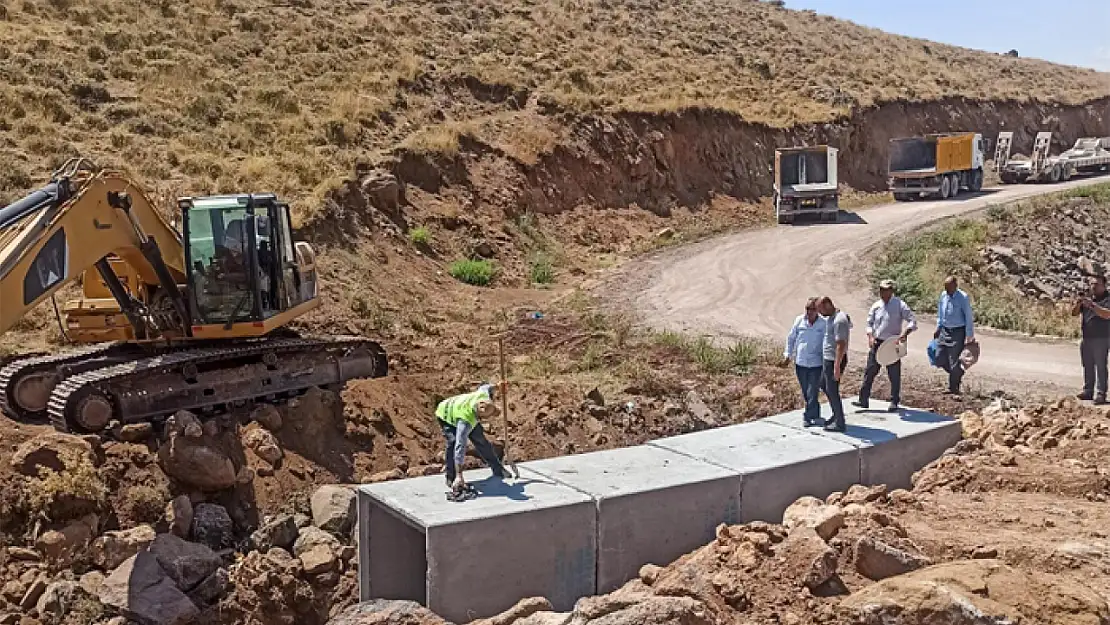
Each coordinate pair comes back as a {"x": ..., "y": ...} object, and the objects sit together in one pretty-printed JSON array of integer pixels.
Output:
[{"x": 458, "y": 417}]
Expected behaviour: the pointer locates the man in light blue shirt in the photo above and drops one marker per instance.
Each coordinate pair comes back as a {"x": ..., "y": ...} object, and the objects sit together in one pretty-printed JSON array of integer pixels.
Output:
[
  {"x": 805, "y": 346},
  {"x": 955, "y": 328}
]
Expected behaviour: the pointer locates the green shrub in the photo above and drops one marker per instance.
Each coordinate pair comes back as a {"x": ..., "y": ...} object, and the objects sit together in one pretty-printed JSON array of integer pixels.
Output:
[
  {"x": 420, "y": 236},
  {"x": 540, "y": 270},
  {"x": 476, "y": 272}
]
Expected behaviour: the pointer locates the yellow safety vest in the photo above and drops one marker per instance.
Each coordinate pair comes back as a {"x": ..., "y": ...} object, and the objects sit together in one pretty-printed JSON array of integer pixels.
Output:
[{"x": 463, "y": 407}]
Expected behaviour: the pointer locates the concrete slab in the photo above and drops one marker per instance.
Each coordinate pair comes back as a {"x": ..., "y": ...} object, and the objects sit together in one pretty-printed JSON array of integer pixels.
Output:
[
  {"x": 892, "y": 445},
  {"x": 654, "y": 505},
  {"x": 777, "y": 464},
  {"x": 474, "y": 559}
]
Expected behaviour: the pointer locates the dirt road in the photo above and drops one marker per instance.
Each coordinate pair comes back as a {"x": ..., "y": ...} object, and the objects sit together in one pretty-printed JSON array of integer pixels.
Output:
[{"x": 756, "y": 282}]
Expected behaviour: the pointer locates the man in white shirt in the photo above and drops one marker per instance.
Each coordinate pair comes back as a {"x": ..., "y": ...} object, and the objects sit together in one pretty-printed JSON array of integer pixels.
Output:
[
  {"x": 884, "y": 323},
  {"x": 805, "y": 346}
]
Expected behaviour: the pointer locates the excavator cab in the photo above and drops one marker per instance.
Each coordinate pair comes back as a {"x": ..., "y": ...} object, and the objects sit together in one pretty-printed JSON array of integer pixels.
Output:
[{"x": 246, "y": 275}]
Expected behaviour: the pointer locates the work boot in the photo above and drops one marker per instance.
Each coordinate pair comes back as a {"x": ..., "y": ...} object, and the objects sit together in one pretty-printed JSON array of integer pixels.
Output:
[
  {"x": 833, "y": 426},
  {"x": 859, "y": 403},
  {"x": 1101, "y": 400},
  {"x": 1085, "y": 396},
  {"x": 893, "y": 407}
]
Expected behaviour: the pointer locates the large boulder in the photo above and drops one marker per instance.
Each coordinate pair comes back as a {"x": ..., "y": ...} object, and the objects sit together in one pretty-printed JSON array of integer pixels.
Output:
[
  {"x": 212, "y": 526},
  {"x": 264, "y": 445},
  {"x": 973, "y": 592},
  {"x": 333, "y": 509},
  {"x": 319, "y": 560},
  {"x": 811, "y": 512},
  {"x": 140, "y": 590},
  {"x": 51, "y": 450},
  {"x": 186, "y": 563},
  {"x": 197, "y": 463},
  {"x": 387, "y": 612},
  {"x": 113, "y": 548},
  {"x": 807, "y": 557},
  {"x": 281, "y": 531}
]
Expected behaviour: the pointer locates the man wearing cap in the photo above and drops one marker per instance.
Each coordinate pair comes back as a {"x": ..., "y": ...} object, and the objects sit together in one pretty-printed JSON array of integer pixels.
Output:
[
  {"x": 955, "y": 329},
  {"x": 884, "y": 323},
  {"x": 458, "y": 418}
]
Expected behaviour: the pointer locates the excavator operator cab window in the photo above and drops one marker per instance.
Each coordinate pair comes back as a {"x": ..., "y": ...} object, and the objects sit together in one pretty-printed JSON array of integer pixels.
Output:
[{"x": 239, "y": 254}]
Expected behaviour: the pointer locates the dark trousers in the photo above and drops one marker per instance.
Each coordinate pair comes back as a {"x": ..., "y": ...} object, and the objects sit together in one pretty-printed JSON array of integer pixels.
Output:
[
  {"x": 832, "y": 389},
  {"x": 950, "y": 342},
  {"x": 894, "y": 372},
  {"x": 810, "y": 380},
  {"x": 1095, "y": 352},
  {"x": 481, "y": 445}
]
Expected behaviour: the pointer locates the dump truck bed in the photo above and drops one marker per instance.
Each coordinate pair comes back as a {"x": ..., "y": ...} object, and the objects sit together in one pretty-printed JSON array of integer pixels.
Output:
[{"x": 913, "y": 157}]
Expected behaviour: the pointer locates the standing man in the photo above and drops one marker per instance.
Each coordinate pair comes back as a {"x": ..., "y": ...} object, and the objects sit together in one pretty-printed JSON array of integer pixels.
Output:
[
  {"x": 837, "y": 330},
  {"x": 955, "y": 329},
  {"x": 458, "y": 418},
  {"x": 884, "y": 323},
  {"x": 804, "y": 345},
  {"x": 1095, "y": 310}
]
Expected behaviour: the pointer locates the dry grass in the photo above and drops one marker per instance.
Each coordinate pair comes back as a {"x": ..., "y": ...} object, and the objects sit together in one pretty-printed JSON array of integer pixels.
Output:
[{"x": 216, "y": 95}]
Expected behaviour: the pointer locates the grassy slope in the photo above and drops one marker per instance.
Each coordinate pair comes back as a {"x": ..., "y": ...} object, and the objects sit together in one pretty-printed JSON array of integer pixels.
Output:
[
  {"x": 920, "y": 263},
  {"x": 230, "y": 94}
]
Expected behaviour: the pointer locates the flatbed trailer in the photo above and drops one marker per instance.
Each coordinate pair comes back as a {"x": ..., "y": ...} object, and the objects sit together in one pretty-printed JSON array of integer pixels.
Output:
[{"x": 1088, "y": 155}]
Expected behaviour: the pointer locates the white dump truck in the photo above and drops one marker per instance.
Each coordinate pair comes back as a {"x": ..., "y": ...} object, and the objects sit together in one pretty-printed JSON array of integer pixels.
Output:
[
  {"x": 1088, "y": 155},
  {"x": 806, "y": 183}
]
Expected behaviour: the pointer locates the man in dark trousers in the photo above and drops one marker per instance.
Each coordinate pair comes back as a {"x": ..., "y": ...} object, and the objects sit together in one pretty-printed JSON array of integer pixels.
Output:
[
  {"x": 955, "y": 329},
  {"x": 1095, "y": 347},
  {"x": 837, "y": 331},
  {"x": 885, "y": 322}
]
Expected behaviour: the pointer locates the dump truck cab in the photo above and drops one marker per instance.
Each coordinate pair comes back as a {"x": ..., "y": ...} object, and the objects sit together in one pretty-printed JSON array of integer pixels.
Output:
[{"x": 806, "y": 183}]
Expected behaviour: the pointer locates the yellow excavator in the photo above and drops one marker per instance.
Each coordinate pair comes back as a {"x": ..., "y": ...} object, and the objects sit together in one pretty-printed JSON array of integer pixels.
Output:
[{"x": 165, "y": 321}]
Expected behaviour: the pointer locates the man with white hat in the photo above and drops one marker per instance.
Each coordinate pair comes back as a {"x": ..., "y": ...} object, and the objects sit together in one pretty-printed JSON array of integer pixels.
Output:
[
  {"x": 884, "y": 324},
  {"x": 458, "y": 418}
]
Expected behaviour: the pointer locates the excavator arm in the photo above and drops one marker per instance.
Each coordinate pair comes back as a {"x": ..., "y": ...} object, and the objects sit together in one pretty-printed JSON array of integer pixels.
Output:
[{"x": 52, "y": 236}]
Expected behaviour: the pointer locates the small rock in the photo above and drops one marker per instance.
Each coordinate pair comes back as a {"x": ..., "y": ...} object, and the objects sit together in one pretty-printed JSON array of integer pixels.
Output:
[
  {"x": 812, "y": 512},
  {"x": 665, "y": 234},
  {"x": 520, "y": 613},
  {"x": 385, "y": 476},
  {"x": 61, "y": 546},
  {"x": 860, "y": 494},
  {"x": 347, "y": 553},
  {"x": 302, "y": 520},
  {"x": 210, "y": 428},
  {"x": 212, "y": 526},
  {"x": 333, "y": 508},
  {"x": 13, "y": 591},
  {"x": 311, "y": 537},
  {"x": 135, "y": 432},
  {"x": 596, "y": 397},
  {"x": 267, "y": 416},
  {"x": 387, "y": 611},
  {"x": 878, "y": 559},
  {"x": 187, "y": 564},
  {"x": 91, "y": 582},
  {"x": 23, "y": 553},
  {"x": 264, "y": 445},
  {"x": 179, "y": 515},
  {"x": 984, "y": 553},
  {"x": 320, "y": 559},
  {"x": 10, "y": 618},
  {"x": 761, "y": 393},
  {"x": 58, "y": 598},
  {"x": 649, "y": 573},
  {"x": 113, "y": 548},
  {"x": 280, "y": 532},
  {"x": 141, "y": 590},
  {"x": 805, "y": 552},
  {"x": 34, "y": 592}
]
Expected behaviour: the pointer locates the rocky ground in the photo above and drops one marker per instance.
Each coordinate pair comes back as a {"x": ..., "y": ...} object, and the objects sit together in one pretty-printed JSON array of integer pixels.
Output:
[{"x": 1009, "y": 526}]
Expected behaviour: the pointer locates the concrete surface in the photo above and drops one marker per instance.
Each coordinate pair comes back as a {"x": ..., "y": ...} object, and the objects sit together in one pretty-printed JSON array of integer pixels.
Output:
[
  {"x": 777, "y": 464},
  {"x": 473, "y": 559},
  {"x": 892, "y": 446},
  {"x": 654, "y": 505},
  {"x": 756, "y": 283}
]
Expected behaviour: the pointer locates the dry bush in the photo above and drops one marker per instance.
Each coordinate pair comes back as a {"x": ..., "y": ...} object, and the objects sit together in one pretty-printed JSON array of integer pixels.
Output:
[
  {"x": 144, "y": 503},
  {"x": 73, "y": 492}
]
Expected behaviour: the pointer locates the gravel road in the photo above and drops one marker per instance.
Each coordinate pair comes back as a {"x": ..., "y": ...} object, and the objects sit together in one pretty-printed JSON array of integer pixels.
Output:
[{"x": 755, "y": 283}]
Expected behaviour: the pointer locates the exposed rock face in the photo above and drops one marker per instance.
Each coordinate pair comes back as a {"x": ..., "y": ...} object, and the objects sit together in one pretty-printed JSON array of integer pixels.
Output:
[
  {"x": 142, "y": 591},
  {"x": 333, "y": 509}
]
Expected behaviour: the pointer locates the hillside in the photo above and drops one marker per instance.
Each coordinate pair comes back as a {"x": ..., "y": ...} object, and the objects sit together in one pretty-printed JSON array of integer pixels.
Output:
[{"x": 233, "y": 94}]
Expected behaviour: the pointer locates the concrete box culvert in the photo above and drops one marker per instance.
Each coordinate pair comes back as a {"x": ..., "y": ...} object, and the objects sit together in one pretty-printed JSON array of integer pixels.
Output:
[{"x": 653, "y": 505}]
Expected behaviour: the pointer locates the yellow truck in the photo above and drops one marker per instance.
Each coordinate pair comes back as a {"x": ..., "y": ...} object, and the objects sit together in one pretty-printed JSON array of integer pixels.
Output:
[{"x": 936, "y": 165}]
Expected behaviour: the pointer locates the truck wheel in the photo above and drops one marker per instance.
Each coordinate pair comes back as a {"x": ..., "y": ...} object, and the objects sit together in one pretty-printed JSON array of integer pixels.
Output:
[
  {"x": 1067, "y": 174},
  {"x": 976, "y": 181},
  {"x": 786, "y": 219},
  {"x": 945, "y": 188},
  {"x": 1056, "y": 174},
  {"x": 901, "y": 197},
  {"x": 954, "y": 185}
]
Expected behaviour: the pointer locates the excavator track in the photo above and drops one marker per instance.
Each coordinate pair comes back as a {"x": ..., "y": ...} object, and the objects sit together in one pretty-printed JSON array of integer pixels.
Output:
[
  {"x": 207, "y": 379},
  {"x": 36, "y": 373}
]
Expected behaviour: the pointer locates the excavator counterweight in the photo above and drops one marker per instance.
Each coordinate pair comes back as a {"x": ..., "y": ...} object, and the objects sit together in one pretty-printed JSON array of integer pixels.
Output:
[{"x": 166, "y": 321}]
